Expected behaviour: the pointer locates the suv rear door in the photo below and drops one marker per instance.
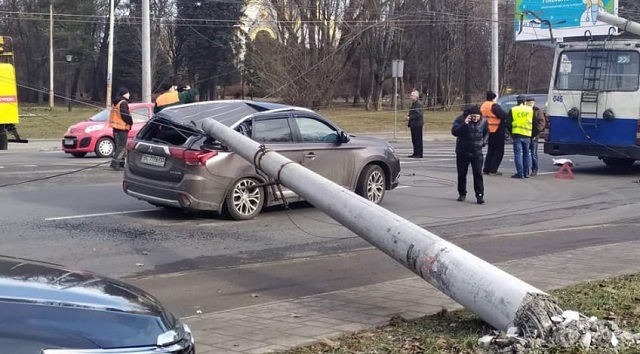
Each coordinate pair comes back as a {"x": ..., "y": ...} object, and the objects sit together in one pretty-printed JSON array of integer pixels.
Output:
[{"x": 275, "y": 131}]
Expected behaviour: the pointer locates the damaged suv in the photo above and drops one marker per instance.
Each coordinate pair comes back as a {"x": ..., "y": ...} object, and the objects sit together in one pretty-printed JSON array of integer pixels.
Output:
[{"x": 173, "y": 163}]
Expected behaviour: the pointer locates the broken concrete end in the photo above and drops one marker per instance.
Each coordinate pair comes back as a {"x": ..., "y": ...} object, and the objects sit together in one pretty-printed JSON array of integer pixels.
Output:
[{"x": 534, "y": 318}]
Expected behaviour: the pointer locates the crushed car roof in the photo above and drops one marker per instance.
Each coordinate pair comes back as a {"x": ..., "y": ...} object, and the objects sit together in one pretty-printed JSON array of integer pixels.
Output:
[{"x": 226, "y": 112}]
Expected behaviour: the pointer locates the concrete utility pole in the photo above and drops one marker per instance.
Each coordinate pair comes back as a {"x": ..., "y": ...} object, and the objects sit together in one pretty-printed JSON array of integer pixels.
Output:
[
  {"x": 497, "y": 297},
  {"x": 146, "y": 52},
  {"x": 110, "y": 52},
  {"x": 52, "y": 94},
  {"x": 621, "y": 23},
  {"x": 495, "y": 31}
]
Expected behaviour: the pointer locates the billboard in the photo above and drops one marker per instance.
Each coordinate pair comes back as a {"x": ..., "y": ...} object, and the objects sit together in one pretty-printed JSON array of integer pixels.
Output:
[{"x": 568, "y": 18}]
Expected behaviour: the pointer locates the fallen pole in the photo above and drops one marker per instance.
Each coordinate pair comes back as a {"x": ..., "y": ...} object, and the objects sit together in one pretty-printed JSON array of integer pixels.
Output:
[{"x": 495, "y": 296}]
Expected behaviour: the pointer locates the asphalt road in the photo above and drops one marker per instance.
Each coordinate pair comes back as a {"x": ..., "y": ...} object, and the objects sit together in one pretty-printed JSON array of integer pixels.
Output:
[{"x": 73, "y": 211}]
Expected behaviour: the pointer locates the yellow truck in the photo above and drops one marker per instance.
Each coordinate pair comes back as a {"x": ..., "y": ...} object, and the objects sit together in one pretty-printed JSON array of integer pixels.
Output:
[{"x": 8, "y": 95}]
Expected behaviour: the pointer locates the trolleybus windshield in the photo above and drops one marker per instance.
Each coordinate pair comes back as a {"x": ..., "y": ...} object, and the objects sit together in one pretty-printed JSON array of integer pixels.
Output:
[{"x": 610, "y": 70}]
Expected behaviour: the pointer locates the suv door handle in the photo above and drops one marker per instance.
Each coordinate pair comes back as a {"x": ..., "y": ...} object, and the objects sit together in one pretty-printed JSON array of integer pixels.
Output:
[{"x": 310, "y": 156}]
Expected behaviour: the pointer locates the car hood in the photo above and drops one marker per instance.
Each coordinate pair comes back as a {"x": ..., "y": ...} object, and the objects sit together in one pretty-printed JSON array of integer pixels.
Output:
[
  {"x": 30, "y": 282},
  {"x": 84, "y": 125}
]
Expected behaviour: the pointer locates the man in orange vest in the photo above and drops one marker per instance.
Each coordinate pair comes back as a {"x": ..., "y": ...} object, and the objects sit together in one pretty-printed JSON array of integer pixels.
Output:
[
  {"x": 497, "y": 118},
  {"x": 120, "y": 121},
  {"x": 171, "y": 97}
]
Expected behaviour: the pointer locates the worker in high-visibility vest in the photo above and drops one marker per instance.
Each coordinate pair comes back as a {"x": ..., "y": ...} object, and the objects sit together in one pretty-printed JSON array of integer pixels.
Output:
[
  {"x": 497, "y": 119},
  {"x": 539, "y": 124},
  {"x": 120, "y": 121},
  {"x": 172, "y": 95},
  {"x": 521, "y": 126}
]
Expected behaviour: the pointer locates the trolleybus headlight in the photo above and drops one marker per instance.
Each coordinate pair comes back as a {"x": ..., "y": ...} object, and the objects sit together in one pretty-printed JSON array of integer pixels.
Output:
[
  {"x": 573, "y": 113},
  {"x": 608, "y": 114}
]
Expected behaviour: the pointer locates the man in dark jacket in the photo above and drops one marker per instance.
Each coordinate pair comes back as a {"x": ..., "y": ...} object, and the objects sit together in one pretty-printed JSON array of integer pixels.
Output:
[
  {"x": 416, "y": 121},
  {"x": 120, "y": 121},
  {"x": 472, "y": 132}
]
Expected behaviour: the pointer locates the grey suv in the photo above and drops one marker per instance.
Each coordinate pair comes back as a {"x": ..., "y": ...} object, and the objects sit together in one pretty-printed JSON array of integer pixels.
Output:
[{"x": 173, "y": 163}]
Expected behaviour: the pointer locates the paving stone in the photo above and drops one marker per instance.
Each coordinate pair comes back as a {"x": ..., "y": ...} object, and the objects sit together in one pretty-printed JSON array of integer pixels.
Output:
[
  {"x": 310, "y": 331},
  {"x": 212, "y": 339},
  {"x": 290, "y": 340},
  {"x": 268, "y": 349}
]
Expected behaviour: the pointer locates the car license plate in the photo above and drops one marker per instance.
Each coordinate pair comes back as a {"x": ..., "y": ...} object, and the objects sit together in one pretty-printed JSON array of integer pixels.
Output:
[
  {"x": 69, "y": 142},
  {"x": 153, "y": 160}
]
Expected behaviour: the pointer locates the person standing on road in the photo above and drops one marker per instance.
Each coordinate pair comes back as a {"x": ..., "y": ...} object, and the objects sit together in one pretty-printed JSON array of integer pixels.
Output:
[
  {"x": 521, "y": 126},
  {"x": 171, "y": 96},
  {"x": 415, "y": 123},
  {"x": 539, "y": 123},
  {"x": 120, "y": 121},
  {"x": 497, "y": 119},
  {"x": 472, "y": 132}
]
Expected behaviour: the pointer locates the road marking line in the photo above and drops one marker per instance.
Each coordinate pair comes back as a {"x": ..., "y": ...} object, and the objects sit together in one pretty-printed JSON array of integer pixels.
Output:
[
  {"x": 402, "y": 187},
  {"x": 533, "y": 232},
  {"x": 99, "y": 214}
]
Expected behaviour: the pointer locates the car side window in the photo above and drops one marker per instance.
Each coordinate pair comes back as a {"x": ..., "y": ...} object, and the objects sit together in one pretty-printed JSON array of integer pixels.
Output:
[
  {"x": 140, "y": 115},
  {"x": 316, "y": 131},
  {"x": 276, "y": 130}
]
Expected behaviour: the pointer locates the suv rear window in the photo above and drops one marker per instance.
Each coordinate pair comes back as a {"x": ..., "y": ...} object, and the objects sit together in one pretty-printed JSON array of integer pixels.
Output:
[{"x": 163, "y": 131}]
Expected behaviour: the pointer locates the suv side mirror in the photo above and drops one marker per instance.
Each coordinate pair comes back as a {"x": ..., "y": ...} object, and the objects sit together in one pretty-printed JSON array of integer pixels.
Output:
[{"x": 344, "y": 137}]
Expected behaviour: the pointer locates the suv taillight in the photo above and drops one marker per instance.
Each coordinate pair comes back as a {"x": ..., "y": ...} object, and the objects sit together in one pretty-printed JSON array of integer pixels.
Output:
[
  {"x": 131, "y": 145},
  {"x": 192, "y": 157}
]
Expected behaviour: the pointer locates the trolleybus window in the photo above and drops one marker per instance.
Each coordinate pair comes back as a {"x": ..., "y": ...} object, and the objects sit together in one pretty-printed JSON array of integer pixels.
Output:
[{"x": 619, "y": 70}]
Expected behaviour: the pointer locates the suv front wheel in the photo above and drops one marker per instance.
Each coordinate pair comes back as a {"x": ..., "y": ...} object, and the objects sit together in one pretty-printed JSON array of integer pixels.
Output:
[
  {"x": 244, "y": 201},
  {"x": 371, "y": 184}
]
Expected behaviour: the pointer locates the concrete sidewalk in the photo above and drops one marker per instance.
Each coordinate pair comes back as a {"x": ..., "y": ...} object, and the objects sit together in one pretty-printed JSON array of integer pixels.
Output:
[{"x": 284, "y": 324}]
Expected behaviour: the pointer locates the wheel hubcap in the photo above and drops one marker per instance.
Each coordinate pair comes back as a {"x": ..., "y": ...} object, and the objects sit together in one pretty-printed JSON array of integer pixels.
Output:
[
  {"x": 246, "y": 200},
  {"x": 105, "y": 147},
  {"x": 375, "y": 186}
]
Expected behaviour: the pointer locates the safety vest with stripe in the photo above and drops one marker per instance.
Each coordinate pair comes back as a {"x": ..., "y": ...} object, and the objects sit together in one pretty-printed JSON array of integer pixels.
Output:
[
  {"x": 115, "y": 118},
  {"x": 494, "y": 121},
  {"x": 522, "y": 120},
  {"x": 167, "y": 99}
]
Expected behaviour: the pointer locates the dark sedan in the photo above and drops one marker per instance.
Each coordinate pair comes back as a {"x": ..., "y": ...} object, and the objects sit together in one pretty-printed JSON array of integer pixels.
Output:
[
  {"x": 47, "y": 309},
  {"x": 173, "y": 163}
]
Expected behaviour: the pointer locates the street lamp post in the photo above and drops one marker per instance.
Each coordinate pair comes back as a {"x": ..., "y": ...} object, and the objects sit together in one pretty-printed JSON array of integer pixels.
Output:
[{"x": 68, "y": 58}]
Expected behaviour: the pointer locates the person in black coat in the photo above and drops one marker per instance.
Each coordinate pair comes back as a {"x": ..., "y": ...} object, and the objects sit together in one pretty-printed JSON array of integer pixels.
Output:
[
  {"x": 416, "y": 121},
  {"x": 472, "y": 132}
]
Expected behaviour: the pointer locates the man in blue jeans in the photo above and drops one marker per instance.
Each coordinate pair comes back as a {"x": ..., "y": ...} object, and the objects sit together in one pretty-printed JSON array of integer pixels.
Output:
[
  {"x": 520, "y": 125},
  {"x": 539, "y": 123}
]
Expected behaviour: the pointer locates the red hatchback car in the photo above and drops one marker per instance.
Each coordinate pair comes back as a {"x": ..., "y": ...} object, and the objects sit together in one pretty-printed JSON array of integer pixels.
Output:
[{"x": 94, "y": 135}]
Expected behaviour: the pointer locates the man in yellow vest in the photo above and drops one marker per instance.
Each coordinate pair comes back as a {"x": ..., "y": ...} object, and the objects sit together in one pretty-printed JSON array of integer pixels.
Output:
[
  {"x": 539, "y": 124},
  {"x": 171, "y": 96},
  {"x": 521, "y": 127},
  {"x": 120, "y": 121},
  {"x": 497, "y": 119}
]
